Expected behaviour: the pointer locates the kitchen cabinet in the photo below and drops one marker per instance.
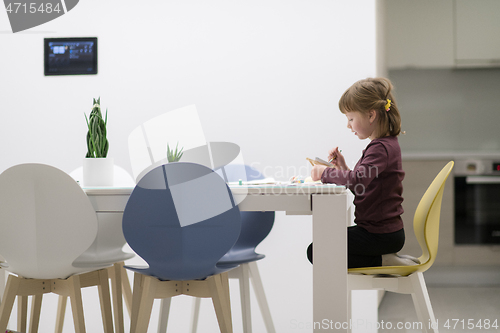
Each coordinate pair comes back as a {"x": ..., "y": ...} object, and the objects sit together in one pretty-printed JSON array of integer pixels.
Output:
[
  {"x": 441, "y": 34},
  {"x": 477, "y": 32},
  {"x": 419, "y": 34}
]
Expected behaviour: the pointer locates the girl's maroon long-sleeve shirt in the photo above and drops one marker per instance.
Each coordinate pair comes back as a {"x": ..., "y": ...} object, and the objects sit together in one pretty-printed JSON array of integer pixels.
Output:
[{"x": 376, "y": 182}]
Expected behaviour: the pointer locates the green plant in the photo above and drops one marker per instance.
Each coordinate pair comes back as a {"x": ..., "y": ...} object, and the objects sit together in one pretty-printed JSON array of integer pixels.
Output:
[
  {"x": 97, "y": 143},
  {"x": 174, "y": 156}
]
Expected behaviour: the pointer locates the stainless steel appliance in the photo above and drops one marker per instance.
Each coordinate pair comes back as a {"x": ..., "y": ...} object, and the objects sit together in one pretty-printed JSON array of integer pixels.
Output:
[{"x": 477, "y": 201}]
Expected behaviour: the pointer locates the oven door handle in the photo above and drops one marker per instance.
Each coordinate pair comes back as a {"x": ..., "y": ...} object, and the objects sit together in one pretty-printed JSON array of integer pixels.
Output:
[{"x": 482, "y": 180}]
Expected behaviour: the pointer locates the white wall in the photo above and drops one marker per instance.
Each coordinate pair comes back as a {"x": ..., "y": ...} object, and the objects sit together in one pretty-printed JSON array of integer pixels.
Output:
[{"x": 266, "y": 75}]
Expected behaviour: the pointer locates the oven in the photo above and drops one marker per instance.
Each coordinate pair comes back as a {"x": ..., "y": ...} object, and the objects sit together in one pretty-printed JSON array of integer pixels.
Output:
[{"x": 477, "y": 201}]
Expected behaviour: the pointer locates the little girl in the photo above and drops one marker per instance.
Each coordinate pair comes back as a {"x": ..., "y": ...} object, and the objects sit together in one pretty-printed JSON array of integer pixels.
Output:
[{"x": 376, "y": 180}]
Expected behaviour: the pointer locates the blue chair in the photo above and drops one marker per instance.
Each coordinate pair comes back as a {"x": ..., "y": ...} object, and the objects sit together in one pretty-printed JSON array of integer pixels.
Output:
[
  {"x": 181, "y": 219},
  {"x": 255, "y": 228}
]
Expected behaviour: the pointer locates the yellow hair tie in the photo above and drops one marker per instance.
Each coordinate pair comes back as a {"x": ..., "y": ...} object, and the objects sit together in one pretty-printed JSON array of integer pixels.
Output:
[{"x": 388, "y": 105}]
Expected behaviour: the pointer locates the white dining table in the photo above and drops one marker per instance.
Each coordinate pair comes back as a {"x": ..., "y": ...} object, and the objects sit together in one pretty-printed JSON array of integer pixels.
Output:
[{"x": 329, "y": 206}]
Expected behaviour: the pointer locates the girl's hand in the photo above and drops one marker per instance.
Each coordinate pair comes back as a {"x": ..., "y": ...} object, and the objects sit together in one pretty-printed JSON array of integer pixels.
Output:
[
  {"x": 338, "y": 159},
  {"x": 317, "y": 171}
]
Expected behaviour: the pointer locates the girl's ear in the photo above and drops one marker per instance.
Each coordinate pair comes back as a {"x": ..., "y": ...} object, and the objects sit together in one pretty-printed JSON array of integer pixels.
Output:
[{"x": 372, "y": 115}]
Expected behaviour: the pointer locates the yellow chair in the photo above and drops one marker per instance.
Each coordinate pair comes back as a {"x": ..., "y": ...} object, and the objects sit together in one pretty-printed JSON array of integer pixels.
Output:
[{"x": 409, "y": 279}]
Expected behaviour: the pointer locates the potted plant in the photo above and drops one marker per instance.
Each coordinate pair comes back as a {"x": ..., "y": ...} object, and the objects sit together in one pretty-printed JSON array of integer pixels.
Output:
[
  {"x": 97, "y": 167},
  {"x": 174, "y": 156}
]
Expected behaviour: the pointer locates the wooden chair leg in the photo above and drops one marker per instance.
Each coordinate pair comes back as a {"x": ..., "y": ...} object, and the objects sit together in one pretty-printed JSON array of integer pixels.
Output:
[
  {"x": 258, "y": 288},
  {"x": 105, "y": 300},
  {"x": 8, "y": 299},
  {"x": 116, "y": 286},
  {"x": 221, "y": 302},
  {"x": 196, "y": 314},
  {"x": 61, "y": 312},
  {"x": 75, "y": 296},
  {"x": 36, "y": 307},
  {"x": 146, "y": 303},
  {"x": 244, "y": 279},
  {"x": 22, "y": 313},
  {"x": 224, "y": 277},
  {"x": 126, "y": 289},
  {"x": 164, "y": 311},
  {"x": 136, "y": 299}
]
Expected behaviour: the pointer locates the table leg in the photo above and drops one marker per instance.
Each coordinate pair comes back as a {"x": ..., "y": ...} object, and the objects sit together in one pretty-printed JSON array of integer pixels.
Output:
[{"x": 330, "y": 218}]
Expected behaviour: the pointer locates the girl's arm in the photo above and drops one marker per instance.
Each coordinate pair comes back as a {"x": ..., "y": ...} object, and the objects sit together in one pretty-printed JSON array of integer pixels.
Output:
[
  {"x": 336, "y": 159},
  {"x": 370, "y": 166},
  {"x": 317, "y": 171}
]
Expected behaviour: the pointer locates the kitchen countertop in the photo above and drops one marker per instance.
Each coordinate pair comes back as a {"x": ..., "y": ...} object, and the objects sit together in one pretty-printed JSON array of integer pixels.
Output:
[{"x": 449, "y": 155}]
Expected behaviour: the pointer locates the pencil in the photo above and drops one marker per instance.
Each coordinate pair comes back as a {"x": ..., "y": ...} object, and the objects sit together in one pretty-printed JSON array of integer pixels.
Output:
[{"x": 330, "y": 161}]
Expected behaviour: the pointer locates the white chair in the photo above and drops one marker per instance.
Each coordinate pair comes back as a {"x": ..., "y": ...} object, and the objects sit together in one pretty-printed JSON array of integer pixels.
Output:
[
  {"x": 410, "y": 279},
  {"x": 47, "y": 223},
  {"x": 107, "y": 250}
]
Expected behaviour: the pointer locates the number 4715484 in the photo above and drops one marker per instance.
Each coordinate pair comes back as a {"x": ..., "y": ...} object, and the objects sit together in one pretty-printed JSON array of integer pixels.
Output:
[
  {"x": 483, "y": 324},
  {"x": 18, "y": 7}
]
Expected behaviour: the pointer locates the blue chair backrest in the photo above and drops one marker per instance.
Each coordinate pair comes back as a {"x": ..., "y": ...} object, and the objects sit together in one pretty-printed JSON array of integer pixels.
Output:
[
  {"x": 181, "y": 219},
  {"x": 255, "y": 225}
]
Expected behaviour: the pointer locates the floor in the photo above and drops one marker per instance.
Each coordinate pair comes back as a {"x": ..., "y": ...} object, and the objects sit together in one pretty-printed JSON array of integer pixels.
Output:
[{"x": 464, "y": 299}]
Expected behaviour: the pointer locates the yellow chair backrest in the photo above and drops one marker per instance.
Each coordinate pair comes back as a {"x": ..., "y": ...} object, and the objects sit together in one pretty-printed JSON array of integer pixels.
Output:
[
  {"x": 426, "y": 219},
  {"x": 426, "y": 227}
]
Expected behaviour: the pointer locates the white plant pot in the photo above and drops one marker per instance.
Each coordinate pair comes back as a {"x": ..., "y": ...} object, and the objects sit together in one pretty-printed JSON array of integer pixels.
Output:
[{"x": 98, "y": 171}]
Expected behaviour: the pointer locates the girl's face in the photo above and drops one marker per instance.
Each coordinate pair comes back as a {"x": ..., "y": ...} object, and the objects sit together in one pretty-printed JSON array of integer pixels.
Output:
[{"x": 362, "y": 125}]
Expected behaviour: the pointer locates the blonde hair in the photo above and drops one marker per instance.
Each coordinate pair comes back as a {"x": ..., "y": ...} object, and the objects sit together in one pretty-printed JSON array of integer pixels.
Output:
[{"x": 374, "y": 94}]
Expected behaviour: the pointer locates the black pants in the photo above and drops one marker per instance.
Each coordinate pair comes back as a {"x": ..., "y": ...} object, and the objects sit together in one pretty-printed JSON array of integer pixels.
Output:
[{"x": 365, "y": 249}]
